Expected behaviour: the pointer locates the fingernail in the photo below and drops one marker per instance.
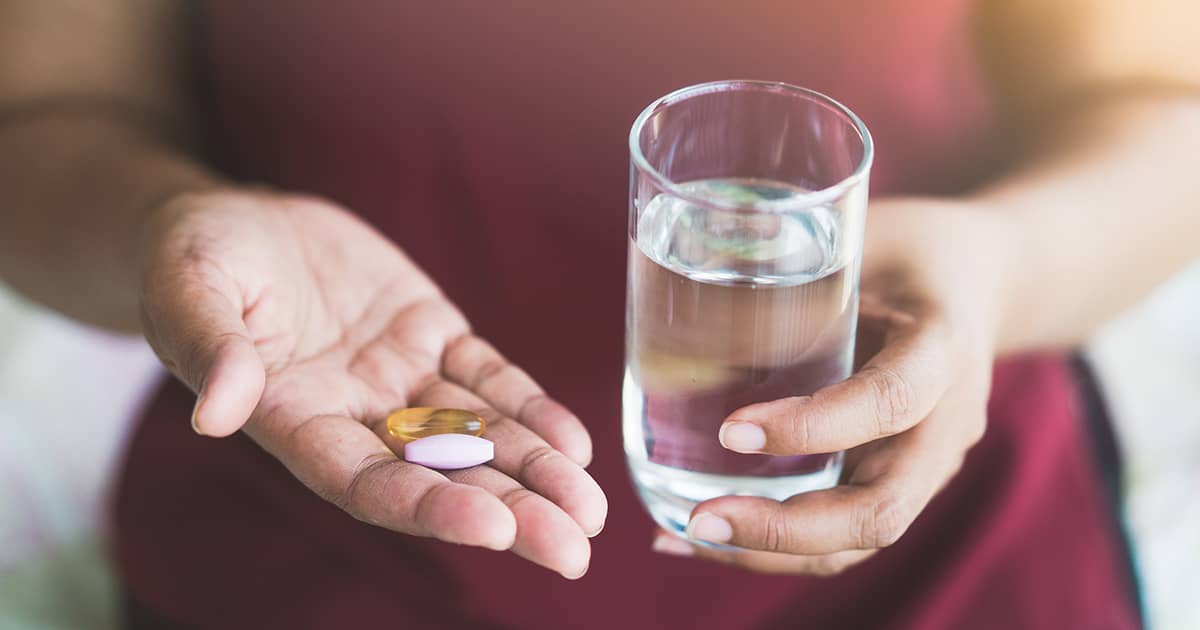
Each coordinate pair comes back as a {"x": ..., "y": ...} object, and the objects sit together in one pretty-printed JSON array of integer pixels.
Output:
[
  {"x": 597, "y": 532},
  {"x": 744, "y": 437},
  {"x": 195, "y": 410},
  {"x": 710, "y": 528},
  {"x": 672, "y": 545}
]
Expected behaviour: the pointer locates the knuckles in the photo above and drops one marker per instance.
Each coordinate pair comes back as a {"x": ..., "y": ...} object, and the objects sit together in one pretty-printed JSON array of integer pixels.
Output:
[
  {"x": 892, "y": 395},
  {"x": 881, "y": 523},
  {"x": 776, "y": 530}
]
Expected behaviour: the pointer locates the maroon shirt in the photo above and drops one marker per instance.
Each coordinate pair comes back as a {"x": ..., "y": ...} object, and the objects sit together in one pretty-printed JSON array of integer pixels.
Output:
[{"x": 488, "y": 139}]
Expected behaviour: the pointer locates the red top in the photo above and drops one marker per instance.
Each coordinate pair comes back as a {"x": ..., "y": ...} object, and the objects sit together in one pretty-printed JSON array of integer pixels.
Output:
[{"x": 498, "y": 129}]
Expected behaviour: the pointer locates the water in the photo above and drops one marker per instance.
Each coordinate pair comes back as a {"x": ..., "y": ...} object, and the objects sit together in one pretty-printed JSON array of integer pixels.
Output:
[{"x": 726, "y": 309}]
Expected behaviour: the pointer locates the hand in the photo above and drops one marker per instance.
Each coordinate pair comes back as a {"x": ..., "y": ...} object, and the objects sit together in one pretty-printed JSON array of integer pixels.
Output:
[
  {"x": 301, "y": 325},
  {"x": 931, "y": 290}
]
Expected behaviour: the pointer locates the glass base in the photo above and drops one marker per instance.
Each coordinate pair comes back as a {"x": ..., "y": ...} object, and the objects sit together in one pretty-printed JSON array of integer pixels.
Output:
[{"x": 670, "y": 494}]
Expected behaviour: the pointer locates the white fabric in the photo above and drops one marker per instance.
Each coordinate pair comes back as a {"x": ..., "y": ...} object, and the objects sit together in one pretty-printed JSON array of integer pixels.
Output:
[
  {"x": 67, "y": 394},
  {"x": 1148, "y": 362}
]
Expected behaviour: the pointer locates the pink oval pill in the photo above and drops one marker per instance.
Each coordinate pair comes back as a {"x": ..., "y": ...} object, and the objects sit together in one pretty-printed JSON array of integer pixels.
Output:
[{"x": 449, "y": 451}]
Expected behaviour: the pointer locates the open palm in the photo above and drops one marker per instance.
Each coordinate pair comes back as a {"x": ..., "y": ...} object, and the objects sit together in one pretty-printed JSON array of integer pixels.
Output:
[{"x": 300, "y": 324}]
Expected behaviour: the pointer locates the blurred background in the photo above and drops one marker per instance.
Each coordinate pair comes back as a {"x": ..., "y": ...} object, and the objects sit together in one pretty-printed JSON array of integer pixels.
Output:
[{"x": 68, "y": 394}]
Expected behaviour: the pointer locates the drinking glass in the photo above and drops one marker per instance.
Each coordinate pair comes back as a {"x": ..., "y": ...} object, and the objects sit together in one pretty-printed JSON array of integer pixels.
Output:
[{"x": 746, "y": 213}]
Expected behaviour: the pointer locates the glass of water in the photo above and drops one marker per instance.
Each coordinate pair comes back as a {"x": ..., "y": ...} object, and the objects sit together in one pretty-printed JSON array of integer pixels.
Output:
[{"x": 747, "y": 207}]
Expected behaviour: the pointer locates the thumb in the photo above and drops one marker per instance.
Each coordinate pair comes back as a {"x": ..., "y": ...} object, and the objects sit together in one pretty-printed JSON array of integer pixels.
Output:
[{"x": 198, "y": 332}]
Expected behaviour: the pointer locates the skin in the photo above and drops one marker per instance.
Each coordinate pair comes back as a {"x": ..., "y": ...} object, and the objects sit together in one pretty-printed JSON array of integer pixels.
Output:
[
  {"x": 1101, "y": 207},
  {"x": 244, "y": 293},
  {"x": 295, "y": 314}
]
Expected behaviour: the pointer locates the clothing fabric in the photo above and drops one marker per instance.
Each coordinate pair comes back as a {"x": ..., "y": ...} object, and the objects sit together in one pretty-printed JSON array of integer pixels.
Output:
[{"x": 489, "y": 141}]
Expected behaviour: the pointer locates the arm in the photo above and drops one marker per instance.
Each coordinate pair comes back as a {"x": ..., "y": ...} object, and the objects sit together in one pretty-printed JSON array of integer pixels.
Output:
[
  {"x": 1098, "y": 99},
  {"x": 291, "y": 319},
  {"x": 90, "y": 143},
  {"x": 1100, "y": 219},
  {"x": 1105, "y": 202}
]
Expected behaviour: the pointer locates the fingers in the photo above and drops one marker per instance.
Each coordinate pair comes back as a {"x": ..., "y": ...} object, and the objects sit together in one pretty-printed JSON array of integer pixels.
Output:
[
  {"x": 345, "y": 463},
  {"x": 524, "y": 456},
  {"x": 474, "y": 364},
  {"x": 404, "y": 357},
  {"x": 813, "y": 523},
  {"x": 232, "y": 388},
  {"x": 198, "y": 332},
  {"x": 761, "y": 561},
  {"x": 545, "y": 534},
  {"x": 890, "y": 394},
  {"x": 888, "y": 488}
]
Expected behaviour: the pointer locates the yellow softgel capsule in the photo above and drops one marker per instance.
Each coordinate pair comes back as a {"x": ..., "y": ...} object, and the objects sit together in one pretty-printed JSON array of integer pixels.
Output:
[{"x": 419, "y": 422}]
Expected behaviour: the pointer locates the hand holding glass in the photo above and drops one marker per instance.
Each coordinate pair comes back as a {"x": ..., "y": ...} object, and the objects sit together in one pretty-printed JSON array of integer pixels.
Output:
[{"x": 747, "y": 207}]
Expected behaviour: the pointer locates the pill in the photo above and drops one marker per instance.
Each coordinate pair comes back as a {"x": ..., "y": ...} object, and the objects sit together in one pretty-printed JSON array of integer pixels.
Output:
[
  {"x": 449, "y": 451},
  {"x": 419, "y": 422}
]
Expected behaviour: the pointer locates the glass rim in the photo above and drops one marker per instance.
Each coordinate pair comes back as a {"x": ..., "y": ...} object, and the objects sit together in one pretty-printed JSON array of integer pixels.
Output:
[{"x": 803, "y": 200}]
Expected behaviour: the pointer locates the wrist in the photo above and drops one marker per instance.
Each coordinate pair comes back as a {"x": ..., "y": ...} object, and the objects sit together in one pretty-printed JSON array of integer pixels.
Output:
[
  {"x": 960, "y": 254},
  {"x": 165, "y": 207},
  {"x": 1005, "y": 253},
  {"x": 993, "y": 249}
]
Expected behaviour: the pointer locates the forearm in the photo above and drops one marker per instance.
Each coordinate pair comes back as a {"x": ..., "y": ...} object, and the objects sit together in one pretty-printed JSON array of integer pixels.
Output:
[
  {"x": 1107, "y": 208},
  {"x": 75, "y": 188}
]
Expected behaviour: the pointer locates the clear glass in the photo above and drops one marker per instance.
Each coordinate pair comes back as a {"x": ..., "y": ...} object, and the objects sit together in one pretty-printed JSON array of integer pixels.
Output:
[{"x": 746, "y": 212}]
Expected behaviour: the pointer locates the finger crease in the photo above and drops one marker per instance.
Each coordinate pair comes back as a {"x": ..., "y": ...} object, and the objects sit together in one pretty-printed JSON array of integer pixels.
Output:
[
  {"x": 533, "y": 457},
  {"x": 488, "y": 371},
  {"x": 346, "y": 499},
  {"x": 516, "y": 495},
  {"x": 425, "y": 503},
  {"x": 528, "y": 401},
  {"x": 450, "y": 348},
  {"x": 799, "y": 430},
  {"x": 775, "y": 534}
]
